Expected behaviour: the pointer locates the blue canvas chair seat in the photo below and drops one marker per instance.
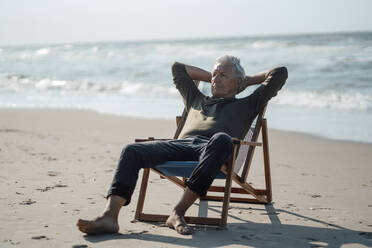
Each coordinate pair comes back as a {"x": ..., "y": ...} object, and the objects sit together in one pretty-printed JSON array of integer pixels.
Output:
[
  {"x": 185, "y": 168},
  {"x": 181, "y": 169}
]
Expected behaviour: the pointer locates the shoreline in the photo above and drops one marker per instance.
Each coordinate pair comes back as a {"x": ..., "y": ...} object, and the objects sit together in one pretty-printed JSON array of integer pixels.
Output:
[
  {"x": 57, "y": 166},
  {"x": 311, "y": 135}
]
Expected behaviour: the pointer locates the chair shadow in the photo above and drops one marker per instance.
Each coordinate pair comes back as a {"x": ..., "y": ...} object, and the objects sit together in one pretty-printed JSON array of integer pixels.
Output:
[{"x": 274, "y": 234}]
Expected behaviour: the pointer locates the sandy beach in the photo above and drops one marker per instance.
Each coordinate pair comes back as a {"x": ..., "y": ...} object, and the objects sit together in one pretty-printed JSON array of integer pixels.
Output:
[{"x": 56, "y": 166}]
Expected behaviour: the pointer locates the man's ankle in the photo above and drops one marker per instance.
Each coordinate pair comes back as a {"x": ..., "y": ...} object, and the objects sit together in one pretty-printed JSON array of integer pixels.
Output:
[
  {"x": 110, "y": 215},
  {"x": 178, "y": 212}
]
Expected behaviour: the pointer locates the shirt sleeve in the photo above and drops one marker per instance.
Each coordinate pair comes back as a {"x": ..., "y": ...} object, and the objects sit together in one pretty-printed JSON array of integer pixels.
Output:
[
  {"x": 269, "y": 88},
  {"x": 185, "y": 85}
]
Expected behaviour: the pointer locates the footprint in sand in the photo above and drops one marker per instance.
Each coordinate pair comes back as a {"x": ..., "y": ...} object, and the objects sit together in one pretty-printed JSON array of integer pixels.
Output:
[
  {"x": 53, "y": 173},
  {"x": 40, "y": 237},
  {"x": 27, "y": 202},
  {"x": 8, "y": 130},
  {"x": 47, "y": 188},
  {"x": 284, "y": 165},
  {"x": 49, "y": 158},
  {"x": 11, "y": 242},
  {"x": 316, "y": 196},
  {"x": 289, "y": 205},
  {"x": 60, "y": 185}
]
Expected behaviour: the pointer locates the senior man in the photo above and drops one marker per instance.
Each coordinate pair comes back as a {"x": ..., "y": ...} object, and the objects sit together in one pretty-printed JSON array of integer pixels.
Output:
[{"x": 206, "y": 137}]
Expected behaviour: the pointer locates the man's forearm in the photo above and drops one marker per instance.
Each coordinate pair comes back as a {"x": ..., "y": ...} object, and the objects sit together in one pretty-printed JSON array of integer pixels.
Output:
[
  {"x": 256, "y": 78},
  {"x": 196, "y": 73}
]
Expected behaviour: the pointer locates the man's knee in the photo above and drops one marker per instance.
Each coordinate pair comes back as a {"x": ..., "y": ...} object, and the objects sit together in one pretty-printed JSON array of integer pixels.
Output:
[
  {"x": 222, "y": 141},
  {"x": 127, "y": 149},
  {"x": 130, "y": 150}
]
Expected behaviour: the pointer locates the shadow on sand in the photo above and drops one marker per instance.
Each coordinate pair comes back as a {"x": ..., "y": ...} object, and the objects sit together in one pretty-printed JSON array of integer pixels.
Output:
[{"x": 274, "y": 234}]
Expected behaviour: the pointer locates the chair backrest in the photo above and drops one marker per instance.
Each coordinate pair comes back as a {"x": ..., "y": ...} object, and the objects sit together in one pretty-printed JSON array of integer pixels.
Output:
[
  {"x": 245, "y": 155},
  {"x": 243, "y": 151}
]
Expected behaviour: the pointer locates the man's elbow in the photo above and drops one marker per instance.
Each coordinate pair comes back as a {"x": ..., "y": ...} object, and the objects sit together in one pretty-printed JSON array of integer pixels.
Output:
[
  {"x": 284, "y": 71},
  {"x": 175, "y": 66},
  {"x": 281, "y": 72},
  {"x": 279, "y": 75}
]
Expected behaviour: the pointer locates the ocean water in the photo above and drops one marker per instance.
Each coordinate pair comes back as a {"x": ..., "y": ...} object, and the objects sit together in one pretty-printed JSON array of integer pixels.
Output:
[{"x": 328, "y": 92}]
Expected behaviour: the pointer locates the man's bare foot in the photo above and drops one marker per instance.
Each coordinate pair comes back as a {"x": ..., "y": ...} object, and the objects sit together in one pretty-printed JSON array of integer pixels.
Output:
[
  {"x": 99, "y": 225},
  {"x": 178, "y": 223}
]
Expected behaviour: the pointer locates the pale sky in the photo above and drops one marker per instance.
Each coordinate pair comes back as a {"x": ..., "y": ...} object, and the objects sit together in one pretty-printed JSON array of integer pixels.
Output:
[{"x": 48, "y": 21}]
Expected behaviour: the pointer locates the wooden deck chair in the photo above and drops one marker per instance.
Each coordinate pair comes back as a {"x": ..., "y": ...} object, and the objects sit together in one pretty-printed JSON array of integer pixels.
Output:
[{"x": 178, "y": 171}]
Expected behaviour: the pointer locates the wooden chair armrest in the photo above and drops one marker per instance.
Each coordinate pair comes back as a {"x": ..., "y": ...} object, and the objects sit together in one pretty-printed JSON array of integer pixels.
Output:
[
  {"x": 243, "y": 142},
  {"x": 235, "y": 141},
  {"x": 148, "y": 139}
]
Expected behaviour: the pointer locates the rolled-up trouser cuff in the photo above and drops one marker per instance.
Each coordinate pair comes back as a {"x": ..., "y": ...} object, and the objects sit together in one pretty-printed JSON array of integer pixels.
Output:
[
  {"x": 196, "y": 189},
  {"x": 120, "y": 190}
]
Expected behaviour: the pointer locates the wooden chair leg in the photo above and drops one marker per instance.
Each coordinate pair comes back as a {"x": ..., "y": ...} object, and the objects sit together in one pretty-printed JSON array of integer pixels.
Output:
[
  {"x": 226, "y": 199},
  {"x": 142, "y": 194},
  {"x": 265, "y": 144}
]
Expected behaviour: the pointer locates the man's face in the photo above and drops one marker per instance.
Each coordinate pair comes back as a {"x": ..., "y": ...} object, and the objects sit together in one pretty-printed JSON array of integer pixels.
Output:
[{"x": 224, "y": 82}]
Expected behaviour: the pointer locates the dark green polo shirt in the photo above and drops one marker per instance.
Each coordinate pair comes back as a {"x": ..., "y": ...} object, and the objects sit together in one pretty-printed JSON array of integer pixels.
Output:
[{"x": 209, "y": 115}]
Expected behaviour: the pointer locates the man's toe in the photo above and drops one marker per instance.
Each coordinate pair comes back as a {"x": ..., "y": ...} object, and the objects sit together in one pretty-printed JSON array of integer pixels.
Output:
[
  {"x": 184, "y": 230},
  {"x": 81, "y": 222}
]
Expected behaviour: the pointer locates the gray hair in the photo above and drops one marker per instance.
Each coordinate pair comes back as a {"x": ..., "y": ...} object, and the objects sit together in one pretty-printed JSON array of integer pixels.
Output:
[{"x": 235, "y": 62}]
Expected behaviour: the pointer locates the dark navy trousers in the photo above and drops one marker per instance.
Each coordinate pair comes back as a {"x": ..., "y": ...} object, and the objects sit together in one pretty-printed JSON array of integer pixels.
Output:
[{"x": 211, "y": 153}]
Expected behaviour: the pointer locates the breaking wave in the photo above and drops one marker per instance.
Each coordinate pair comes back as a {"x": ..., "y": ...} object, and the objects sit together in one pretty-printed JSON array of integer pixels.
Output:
[
  {"x": 324, "y": 99},
  {"x": 21, "y": 83}
]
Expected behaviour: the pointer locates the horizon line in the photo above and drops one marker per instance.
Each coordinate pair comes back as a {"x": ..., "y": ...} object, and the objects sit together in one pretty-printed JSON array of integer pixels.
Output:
[{"x": 180, "y": 39}]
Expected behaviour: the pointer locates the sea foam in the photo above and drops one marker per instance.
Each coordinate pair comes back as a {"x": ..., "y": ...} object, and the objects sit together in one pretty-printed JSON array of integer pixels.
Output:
[{"x": 324, "y": 99}]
